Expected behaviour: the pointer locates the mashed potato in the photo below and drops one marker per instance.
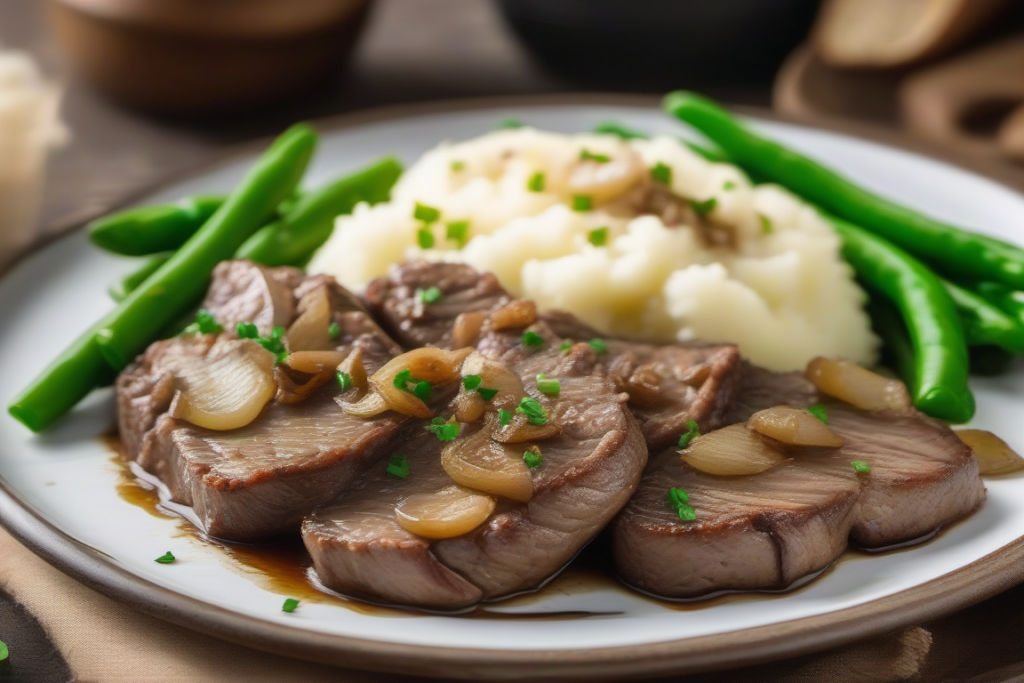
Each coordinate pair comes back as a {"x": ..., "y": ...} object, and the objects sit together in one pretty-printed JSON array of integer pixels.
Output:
[{"x": 642, "y": 239}]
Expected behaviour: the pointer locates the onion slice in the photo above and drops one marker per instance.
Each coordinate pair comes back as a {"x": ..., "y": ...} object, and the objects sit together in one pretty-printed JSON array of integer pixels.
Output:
[
  {"x": 450, "y": 512},
  {"x": 514, "y": 315},
  {"x": 494, "y": 375},
  {"x": 793, "y": 427},
  {"x": 355, "y": 369},
  {"x": 994, "y": 455},
  {"x": 519, "y": 430},
  {"x": 481, "y": 464},
  {"x": 858, "y": 386},
  {"x": 466, "y": 328},
  {"x": 733, "y": 451},
  {"x": 311, "y": 330},
  {"x": 226, "y": 390}
]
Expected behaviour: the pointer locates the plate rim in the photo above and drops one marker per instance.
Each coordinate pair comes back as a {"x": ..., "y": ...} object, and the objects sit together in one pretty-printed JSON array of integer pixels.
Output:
[{"x": 965, "y": 586}]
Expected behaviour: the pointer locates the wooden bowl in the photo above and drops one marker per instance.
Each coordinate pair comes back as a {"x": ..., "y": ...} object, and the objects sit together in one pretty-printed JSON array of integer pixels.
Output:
[{"x": 189, "y": 57}]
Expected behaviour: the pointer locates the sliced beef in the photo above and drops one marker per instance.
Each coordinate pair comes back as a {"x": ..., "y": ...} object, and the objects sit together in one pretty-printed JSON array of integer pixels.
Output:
[
  {"x": 250, "y": 483},
  {"x": 766, "y": 531},
  {"x": 589, "y": 471}
]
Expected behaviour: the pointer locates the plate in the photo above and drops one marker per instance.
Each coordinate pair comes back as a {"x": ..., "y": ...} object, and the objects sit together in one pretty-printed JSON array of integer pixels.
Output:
[{"x": 66, "y": 497}]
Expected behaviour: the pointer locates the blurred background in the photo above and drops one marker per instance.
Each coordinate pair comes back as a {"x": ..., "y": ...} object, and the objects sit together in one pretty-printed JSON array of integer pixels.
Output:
[{"x": 152, "y": 87}]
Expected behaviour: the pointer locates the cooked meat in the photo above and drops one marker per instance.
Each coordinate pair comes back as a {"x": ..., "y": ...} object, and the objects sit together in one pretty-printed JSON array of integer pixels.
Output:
[
  {"x": 760, "y": 389},
  {"x": 253, "y": 482},
  {"x": 589, "y": 471},
  {"x": 768, "y": 530},
  {"x": 395, "y": 300}
]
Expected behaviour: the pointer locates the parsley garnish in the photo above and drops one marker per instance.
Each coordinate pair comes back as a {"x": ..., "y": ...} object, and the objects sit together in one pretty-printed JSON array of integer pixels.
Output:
[
  {"x": 598, "y": 236},
  {"x": 274, "y": 343},
  {"x": 532, "y": 339},
  {"x": 422, "y": 391},
  {"x": 582, "y": 202},
  {"x": 458, "y": 231},
  {"x": 334, "y": 329},
  {"x": 427, "y": 214},
  {"x": 204, "y": 324},
  {"x": 679, "y": 500},
  {"x": 4, "y": 652},
  {"x": 425, "y": 238},
  {"x": 247, "y": 331},
  {"x": 692, "y": 431},
  {"x": 818, "y": 411},
  {"x": 662, "y": 173},
  {"x": 586, "y": 154},
  {"x": 705, "y": 207},
  {"x": 533, "y": 458},
  {"x": 430, "y": 295},
  {"x": 398, "y": 466},
  {"x": 598, "y": 345},
  {"x": 166, "y": 558},
  {"x": 729, "y": 185},
  {"x": 471, "y": 382},
  {"x": 289, "y": 605},
  {"x": 504, "y": 417},
  {"x": 510, "y": 123},
  {"x": 536, "y": 182},
  {"x": 344, "y": 380},
  {"x": 766, "y": 224},
  {"x": 487, "y": 394},
  {"x": 565, "y": 346},
  {"x": 861, "y": 467},
  {"x": 457, "y": 165},
  {"x": 443, "y": 430},
  {"x": 533, "y": 410},
  {"x": 548, "y": 387}
]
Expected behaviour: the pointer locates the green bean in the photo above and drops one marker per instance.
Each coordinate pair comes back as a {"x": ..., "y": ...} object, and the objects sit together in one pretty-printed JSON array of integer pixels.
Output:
[
  {"x": 153, "y": 229},
  {"x": 120, "y": 290},
  {"x": 309, "y": 223},
  {"x": 957, "y": 253},
  {"x": 984, "y": 323},
  {"x": 126, "y": 330},
  {"x": 939, "y": 385},
  {"x": 619, "y": 130}
]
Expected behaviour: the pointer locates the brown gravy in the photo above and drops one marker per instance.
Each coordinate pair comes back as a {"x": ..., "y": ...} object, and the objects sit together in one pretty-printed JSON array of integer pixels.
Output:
[{"x": 283, "y": 566}]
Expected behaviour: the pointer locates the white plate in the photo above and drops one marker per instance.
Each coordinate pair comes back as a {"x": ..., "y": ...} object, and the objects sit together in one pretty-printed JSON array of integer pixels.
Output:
[{"x": 60, "y": 491}]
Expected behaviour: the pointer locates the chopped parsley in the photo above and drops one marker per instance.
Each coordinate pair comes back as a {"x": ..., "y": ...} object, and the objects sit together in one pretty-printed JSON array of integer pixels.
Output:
[
  {"x": 247, "y": 331},
  {"x": 692, "y": 431},
  {"x": 598, "y": 345},
  {"x": 818, "y": 411},
  {"x": 587, "y": 155},
  {"x": 705, "y": 207},
  {"x": 533, "y": 410},
  {"x": 289, "y": 605},
  {"x": 274, "y": 343},
  {"x": 398, "y": 466},
  {"x": 662, "y": 173},
  {"x": 565, "y": 346},
  {"x": 344, "y": 380},
  {"x": 204, "y": 324},
  {"x": 532, "y": 339},
  {"x": 425, "y": 238},
  {"x": 430, "y": 295},
  {"x": 536, "y": 182},
  {"x": 679, "y": 500},
  {"x": 444, "y": 430},
  {"x": 487, "y": 394},
  {"x": 729, "y": 185},
  {"x": 510, "y": 123},
  {"x": 166, "y": 558},
  {"x": 582, "y": 202},
  {"x": 471, "y": 382},
  {"x": 422, "y": 391},
  {"x": 548, "y": 387},
  {"x": 334, "y": 329},
  {"x": 532, "y": 457},
  {"x": 458, "y": 231},
  {"x": 861, "y": 467},
  {"x": 766, "y": 224},
  {"x": 504, "y": 417},
  {"x": 457, "y": 165},
  {"x": 598, "y": 236},
  {"x": 427, "y": 214},
  {"x": 4, "y": 652}
]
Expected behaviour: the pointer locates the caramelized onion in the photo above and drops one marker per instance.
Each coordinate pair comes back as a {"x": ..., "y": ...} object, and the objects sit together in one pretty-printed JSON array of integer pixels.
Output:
[
  {"x": 994, "y": 455},
  {"x": 368, "y": 406},
  {"x": 602, "y": 181},
  {"x": 495, "y": 376},
  {"x": 793, "y": 427},
  {"x": 428, "y": 364},
  {"x": 452, "y": 511},
  {"x": 732, "y": 451},
  {"x": 314, "y": 362},
  {"x": 469, "y": 406},
  {"x": 519, "y": 430},
  {"x": 295, "y": 390},
  {"x": 858, "y": 386},
  {"x": 483, "y": 465},
  {"x": 466, "y": 329},
  {"x": 353, "y": 366},
  {"x": 227, "y": 390},
  {"x": 514, "y": 315},
  {"x": 311, "y": 330}
]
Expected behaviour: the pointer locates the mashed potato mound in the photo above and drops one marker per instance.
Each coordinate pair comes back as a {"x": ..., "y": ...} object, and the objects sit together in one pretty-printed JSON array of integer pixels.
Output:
[{"x": 642, "y": 239}]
